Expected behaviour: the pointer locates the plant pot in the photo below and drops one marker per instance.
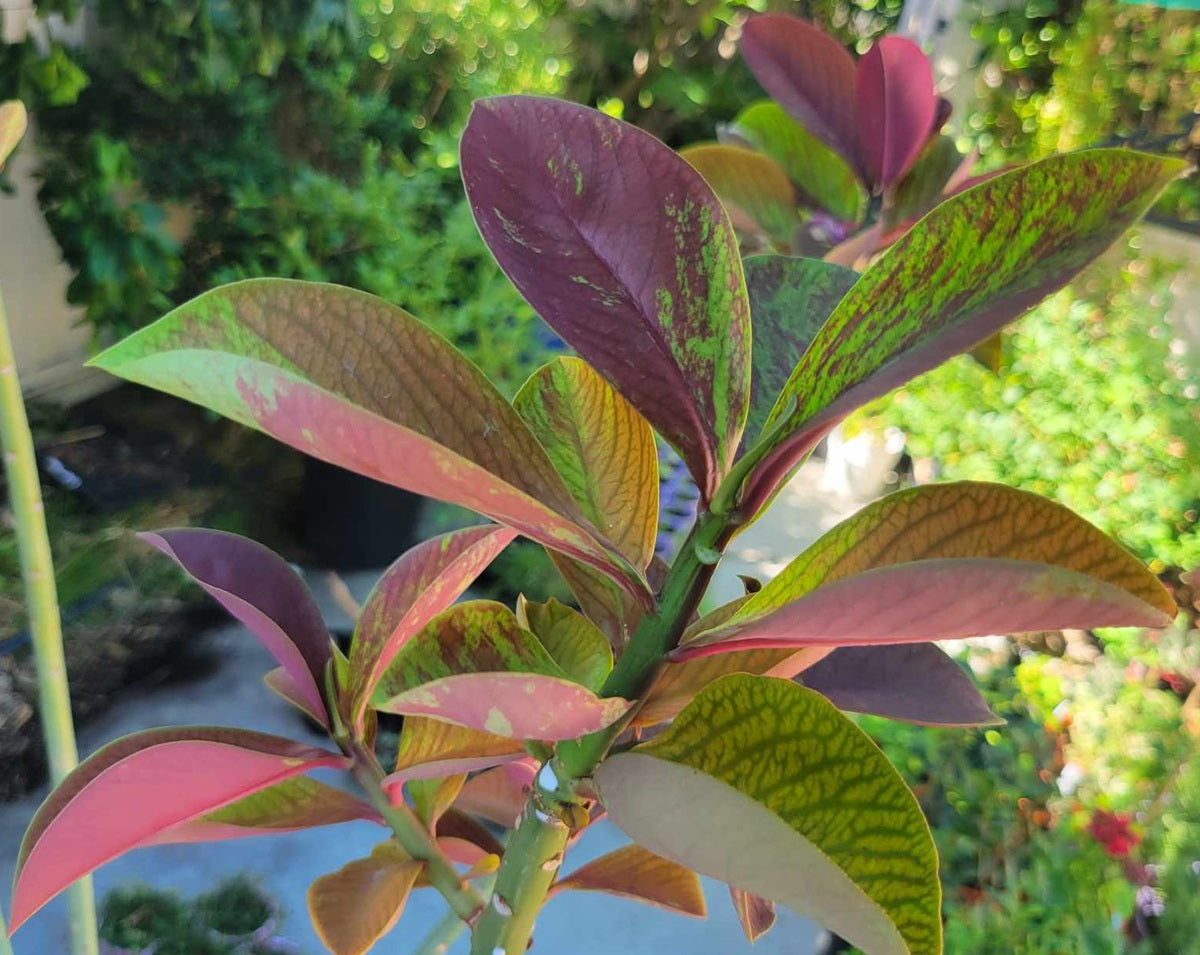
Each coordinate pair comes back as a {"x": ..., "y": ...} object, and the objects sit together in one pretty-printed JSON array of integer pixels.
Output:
[{"x": 355, "y": 523}]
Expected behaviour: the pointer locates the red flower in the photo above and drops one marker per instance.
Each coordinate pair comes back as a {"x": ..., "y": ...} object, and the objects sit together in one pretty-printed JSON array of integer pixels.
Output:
[{"x": 1111, "y": 830}]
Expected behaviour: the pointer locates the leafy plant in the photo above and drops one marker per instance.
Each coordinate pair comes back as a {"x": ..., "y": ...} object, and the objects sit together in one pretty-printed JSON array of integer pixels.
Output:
[
  {"x": 758, "y": 781},
  {"x": 847, "y": 153}
]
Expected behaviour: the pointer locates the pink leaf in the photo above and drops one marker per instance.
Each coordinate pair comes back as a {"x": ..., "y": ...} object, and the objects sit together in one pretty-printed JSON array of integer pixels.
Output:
[
  {"x": 896, "y": 108},
  {"x": 134, "y": 789},
  {"x": 499, "y": 794}
]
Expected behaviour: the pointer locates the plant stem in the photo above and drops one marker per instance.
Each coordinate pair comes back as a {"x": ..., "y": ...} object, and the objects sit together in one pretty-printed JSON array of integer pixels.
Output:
[
  {"x": 416, "y": 840},
  {"x": 5, "y": 944},
  {"x": 443, "y": 934},
  {"x": 45, "y": 625},
  {"x": 535, "y": 849}
]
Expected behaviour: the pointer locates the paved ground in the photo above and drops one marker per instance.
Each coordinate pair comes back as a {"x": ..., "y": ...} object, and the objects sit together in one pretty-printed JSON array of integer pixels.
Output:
[{"x": 586, "y": 924}]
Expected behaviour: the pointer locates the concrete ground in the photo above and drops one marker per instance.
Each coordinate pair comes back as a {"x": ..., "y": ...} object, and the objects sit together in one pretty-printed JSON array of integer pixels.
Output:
[{"x": 581, "y": 923}]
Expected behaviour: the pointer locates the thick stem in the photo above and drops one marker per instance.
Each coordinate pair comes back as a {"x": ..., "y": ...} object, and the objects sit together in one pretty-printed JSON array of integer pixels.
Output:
[
  {"x": 531, "y": 861},
  {"x": 45, "y": 625},
  {"x": 443, "y": 934},
  {"x": 416, "y": 840}
]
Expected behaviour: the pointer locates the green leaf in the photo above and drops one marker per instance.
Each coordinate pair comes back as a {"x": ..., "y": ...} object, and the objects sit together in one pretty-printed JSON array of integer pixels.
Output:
[
  {"x": 790, "y": 299},
  {"x": 755, "y": 189},
  {"x": 976, "y": 262},
  {"x": 824, "y": 176},
  {"x": 358, "y": 382},
  {"x": 763, "y": 784},
  {"x": 571, "y": 639}
]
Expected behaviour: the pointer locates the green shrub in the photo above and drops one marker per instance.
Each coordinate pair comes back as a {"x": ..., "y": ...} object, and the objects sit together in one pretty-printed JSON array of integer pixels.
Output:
[{"x": 1093, "y": 407}]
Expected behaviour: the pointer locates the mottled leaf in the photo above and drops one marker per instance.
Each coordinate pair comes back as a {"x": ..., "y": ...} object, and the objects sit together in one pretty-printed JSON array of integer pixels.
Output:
[
  {"x": 612, "y": 609},
  {"x": 808, "y": 73},
  {"x": 498, "y": 795},
  {"x": 422, "y": 583},
  {"x": 294, "y": 804},
  {"x": 915, "y": 682},
  {"x": 825, "y": 178},
  {"x": 756, "y": 191},
  {"x": 624, "y": 250},
  {"x": 756, "y": 914},
  {"x": 126, "y": 794},
  {"x": 896, "y": 108},
  {"x": 570, "y": 638},
  {"x": 13, "y": 122},
  {"x": 474, "y": 665},
  {"x": 353, "y": 908},
  {"x": 638, "y": 874},
  {"x": 261, "y": 590},
  {"x": 358, "y": 382},
  {"x": 431, "y": 749},
  {"x": 764, "y": 785},
  {"x": 946, "y": 561},
  {"x": 603, "y": 449},
  {"x": 973, "y": 264},
  {"x": 790, "y": 299}
]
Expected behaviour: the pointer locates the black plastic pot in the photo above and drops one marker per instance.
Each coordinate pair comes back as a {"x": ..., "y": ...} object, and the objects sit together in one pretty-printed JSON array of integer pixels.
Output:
[{"x": 354, "y": 523}]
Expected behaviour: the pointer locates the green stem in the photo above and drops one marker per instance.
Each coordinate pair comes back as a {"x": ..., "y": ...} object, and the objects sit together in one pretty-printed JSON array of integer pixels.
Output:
[
  {"x": 443, "y": 934},
  {"x": 37, "y": 569},
  {"x": 5, "y": 944},
  {"x": 531, "y": 861},
  {"x": 416, "y": 840}
]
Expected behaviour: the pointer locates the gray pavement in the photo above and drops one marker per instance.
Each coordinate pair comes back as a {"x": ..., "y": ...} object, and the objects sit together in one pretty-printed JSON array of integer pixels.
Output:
[{"x": 584, "y": 923}]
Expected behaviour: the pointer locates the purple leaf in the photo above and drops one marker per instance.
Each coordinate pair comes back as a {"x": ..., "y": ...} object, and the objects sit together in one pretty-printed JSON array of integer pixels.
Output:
[
  {"x": 896, "y": 109},
  {"x": 261, "y": 590},
  {"x": 626, "y": 252}
]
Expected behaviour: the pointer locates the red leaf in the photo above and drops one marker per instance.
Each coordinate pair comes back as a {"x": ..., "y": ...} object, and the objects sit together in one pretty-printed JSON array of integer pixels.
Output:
[
  {"x": 756, "y": 914},
  {"x": 262, "y": 591},
  {"x": 421, "y": 584},
  {"x": 626, "y": 252},
  {"x": 134, "y": 789},
  {"x": 896, "y": 108},
  {"x": 498, "y": 795},
  {"x": 808, "y": 73}
]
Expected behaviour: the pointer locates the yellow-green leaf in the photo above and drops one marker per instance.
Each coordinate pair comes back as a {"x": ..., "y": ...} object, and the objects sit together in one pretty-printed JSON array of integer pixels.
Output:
[
  {"x": 13, "y": 122},
  {"x": 756, "y": 191},
  {"x": 354, "y": 907},
  {"x": 570, "y": 638},
  {"x": 430, "y": 749},
  {"x": 432, "y": 797},
  {"x": 637, "y": 873},
  {"x": 601, "y": 447},
  {"x": 765, "y": 785}
]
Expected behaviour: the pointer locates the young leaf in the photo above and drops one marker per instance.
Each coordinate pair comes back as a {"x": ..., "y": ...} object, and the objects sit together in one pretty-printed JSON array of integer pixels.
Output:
[
  {"x": 262, "y": 591},
  {"x": 603, "y": 449},
  {"x": 915, "y": 682},
  {"x": 294, "y": 804},
  {"x": 945, "y": 561},
  {"x": 763, "y": 784},
  {"x": 790, "y": 299},
  {"x": 624, "y": 250},
  {"x": 638, "y": 874},
  {"x": 570, "y": 638},
  {"x": 280, "y": 682},
  {"x": 399, "y": 405},
  {"x": 976, "y": 262},
  {"x": 808, "y": 73},
  {"x": 756, "y": 914},
  {"x": 896, "y": 107},
  {"x": 498, "y": 795},
  {"x": 431, "y": 749},
  {"x": 134, "y": 789},
  {"x": 473, "y": 665},
  {"x": 13, "y": 122},
  {"x": 756, "y": 191},
  {"x": 432, "y": 797},
  {"x": 354, "y": 907},
  {"x": 422, "y": 583},
  {"x": 826, "y": 179}
]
